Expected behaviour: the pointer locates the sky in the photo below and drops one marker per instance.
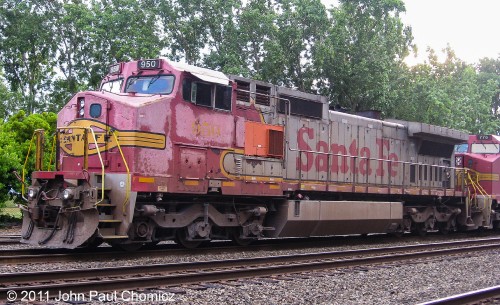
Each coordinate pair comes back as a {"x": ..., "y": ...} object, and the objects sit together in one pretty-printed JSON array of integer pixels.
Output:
[{"x": 470, "y": 27}]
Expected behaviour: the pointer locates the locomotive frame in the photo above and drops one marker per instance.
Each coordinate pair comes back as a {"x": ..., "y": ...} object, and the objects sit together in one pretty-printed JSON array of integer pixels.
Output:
[{"x": 169, "y": 151}]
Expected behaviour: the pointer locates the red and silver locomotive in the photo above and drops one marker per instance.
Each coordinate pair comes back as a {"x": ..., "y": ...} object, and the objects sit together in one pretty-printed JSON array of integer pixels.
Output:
[{"x": 169, "y": 151}]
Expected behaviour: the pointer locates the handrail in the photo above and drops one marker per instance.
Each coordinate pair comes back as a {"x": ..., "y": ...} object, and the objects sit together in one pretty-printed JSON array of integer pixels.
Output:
[
  {"x": 85, "y": 161},
  {"x": 369, "y": 159},
  {"x": 23, "y": 181},
  {"x": 127, "y": 189},
  {"x": 476, "y": 186},
  {"x": 52, "y": 152}
]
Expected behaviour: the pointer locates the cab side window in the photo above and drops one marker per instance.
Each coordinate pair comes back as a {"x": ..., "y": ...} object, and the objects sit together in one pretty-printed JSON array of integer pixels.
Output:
[
  {"x": 186, "y": 90},
  {"x": 206, "y": 94},
  {"x": 223, "y": 97},
  {"x": 201, "y": 94}
]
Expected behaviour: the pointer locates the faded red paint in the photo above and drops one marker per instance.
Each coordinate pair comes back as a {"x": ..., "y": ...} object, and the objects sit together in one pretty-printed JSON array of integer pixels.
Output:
[{"x": 343, "y": 164}]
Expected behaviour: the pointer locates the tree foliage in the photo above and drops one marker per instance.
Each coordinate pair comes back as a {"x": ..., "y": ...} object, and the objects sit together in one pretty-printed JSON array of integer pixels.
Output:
[
  {"x": 27, "y": 50},
  {"x": 16, "y": 136},
  {"x": 450, "y": 93},
  {"x": 363, "y": 50},
  {"x": 353, "y": 53}
]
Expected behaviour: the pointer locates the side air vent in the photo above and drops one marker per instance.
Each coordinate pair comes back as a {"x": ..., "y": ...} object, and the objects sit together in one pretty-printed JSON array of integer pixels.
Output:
[
  {"x": 243, "y": 91},
  {"x": 263, "y": 95},
  {"x": 276, "y": 143}
]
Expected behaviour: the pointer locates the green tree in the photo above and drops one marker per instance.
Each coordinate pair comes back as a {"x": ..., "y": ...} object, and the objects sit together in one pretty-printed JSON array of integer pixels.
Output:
[
  {"x": 301, "y": 26},
  {"x": 489, "y": 75},
  {"x": 8, "y": 100},
  {"x": 73, "y": 22},
  {"x": 450, "y": 94},
  {"x": 258, "y": 32},
  {"x": 119, "y": 30},
  {"x": 27, "y": 50},
  {"x": 15, "y": 141},
  {"x": 364, "y": 48},
  {"x": 224, "y": 38},
  {"x": 184, "y": 28}
]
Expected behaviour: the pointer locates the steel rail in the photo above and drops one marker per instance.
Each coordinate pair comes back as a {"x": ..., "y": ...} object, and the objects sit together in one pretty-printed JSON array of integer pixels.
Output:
[
  {"x": 468, "y": 297},
  {"x": 241, "y": 268},
  {"x": 10, "y": 236},
  {"x": 26, "y": 256}
]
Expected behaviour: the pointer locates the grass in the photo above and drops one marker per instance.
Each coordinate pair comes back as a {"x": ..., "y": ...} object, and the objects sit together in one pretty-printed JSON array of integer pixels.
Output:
[{"x": 10, "y": 213}]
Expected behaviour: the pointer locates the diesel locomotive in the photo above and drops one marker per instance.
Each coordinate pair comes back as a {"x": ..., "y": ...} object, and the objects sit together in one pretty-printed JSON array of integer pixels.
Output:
[{"x": 169, "y": 151}]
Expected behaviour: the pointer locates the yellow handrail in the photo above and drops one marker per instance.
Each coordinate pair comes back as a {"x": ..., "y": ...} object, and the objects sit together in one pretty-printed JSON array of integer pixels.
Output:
[
  {"x": 52, "y": 151},
  {"x": 25, "y": 162},
  {"x": 86, "y": 155},
  {"x": 127, "y": 189},
  {"x": 472, "y": 182}
]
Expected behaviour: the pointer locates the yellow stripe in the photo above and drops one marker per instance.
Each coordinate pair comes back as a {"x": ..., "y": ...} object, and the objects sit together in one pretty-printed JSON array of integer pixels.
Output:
[
  {"x": 227, "y": 183},
  {"x": 262, "y": 117},
  {"x": 488, "y": 177},
  {"x": 191, "y": 182},
  {"x": 147, "y": 179}
]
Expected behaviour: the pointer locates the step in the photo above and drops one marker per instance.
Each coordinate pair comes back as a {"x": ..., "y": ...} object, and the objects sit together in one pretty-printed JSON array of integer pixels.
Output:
[
  {"x": 106, "y": 188},
  {"x": 114, "y": 236},
  {"x": 110, "y": 221},
  {"x": 106, "y": 205}
]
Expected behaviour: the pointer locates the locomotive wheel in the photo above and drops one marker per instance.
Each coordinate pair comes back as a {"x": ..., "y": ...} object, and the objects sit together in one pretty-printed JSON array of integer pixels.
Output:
[
  {"x": 443, "y": 228},
  {"x": 151, "y": 245},
  {"x": 93, "y": 242},
  {"x": 130, "y": 247},
  {"x": 235, "y": 237},
  {"x": 181, "y": 239},
  {"x": 126, "y": 247},
  {"x": 420, "y": 229}
]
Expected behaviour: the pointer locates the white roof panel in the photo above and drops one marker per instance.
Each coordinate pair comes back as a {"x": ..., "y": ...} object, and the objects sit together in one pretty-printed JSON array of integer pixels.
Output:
[{"x": 202, "y": 73}]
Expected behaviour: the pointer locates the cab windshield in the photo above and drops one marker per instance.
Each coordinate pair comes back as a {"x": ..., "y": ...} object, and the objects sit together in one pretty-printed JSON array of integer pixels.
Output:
[
  {"x": 485, "y": 148},
  {"x": 113, "y": 86},
  {"x": 461, "y": 148},
  {"x": 152, "y": 84}
]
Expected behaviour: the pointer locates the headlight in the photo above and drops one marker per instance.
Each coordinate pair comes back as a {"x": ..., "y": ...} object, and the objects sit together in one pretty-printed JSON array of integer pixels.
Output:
[
  {"x": 82, "y": 112},
  {"x": 68, "y": 194},
  {"x": 32, "y": 192}
]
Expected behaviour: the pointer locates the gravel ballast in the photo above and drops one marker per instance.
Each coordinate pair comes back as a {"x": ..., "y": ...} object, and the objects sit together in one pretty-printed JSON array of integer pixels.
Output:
[
  {"x": 404, "y": 284},
  {"x": 411, "y": 283}
]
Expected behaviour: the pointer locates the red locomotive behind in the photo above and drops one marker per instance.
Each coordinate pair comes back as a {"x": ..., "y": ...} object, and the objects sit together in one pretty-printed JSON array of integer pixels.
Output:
[
  {"x": 169, "y": 151},
  {"x": 480, "y": 157}
]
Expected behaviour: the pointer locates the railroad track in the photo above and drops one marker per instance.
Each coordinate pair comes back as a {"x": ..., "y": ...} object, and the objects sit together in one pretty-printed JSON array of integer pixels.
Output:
[
  {"x": 44, "y": 255},
  {"x": 9, "y": 239},
  {"x": 167, "y": 275},
  {"x": 482, "y": 296}
]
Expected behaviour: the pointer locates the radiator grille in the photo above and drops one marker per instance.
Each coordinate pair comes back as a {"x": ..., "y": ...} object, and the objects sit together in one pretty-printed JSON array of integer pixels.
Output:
[{"x": 276, "y": 143}]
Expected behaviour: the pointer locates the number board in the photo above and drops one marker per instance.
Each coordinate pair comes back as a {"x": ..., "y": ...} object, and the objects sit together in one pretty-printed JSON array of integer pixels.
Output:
[
  {"x": 115, "y": 69},
  {"x": 483, "y": 137},
  {"x": 148, "y": 64}
]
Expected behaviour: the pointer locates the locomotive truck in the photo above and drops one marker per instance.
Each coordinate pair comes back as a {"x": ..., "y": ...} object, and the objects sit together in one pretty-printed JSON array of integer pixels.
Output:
[{"x": 169, "y": 151}]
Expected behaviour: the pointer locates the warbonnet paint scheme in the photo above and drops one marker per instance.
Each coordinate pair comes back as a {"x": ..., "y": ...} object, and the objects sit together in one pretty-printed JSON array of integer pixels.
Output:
[{"x": 168, "y": 151}]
